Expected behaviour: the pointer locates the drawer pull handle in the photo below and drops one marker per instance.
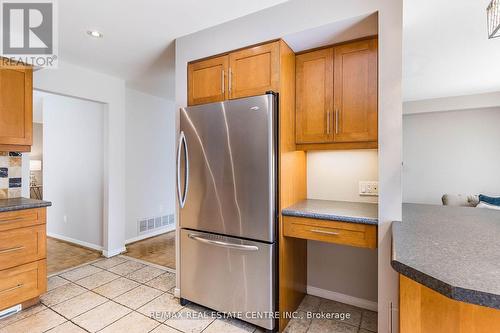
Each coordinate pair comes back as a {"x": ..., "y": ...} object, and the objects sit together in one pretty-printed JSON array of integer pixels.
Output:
[
  {"x": 14, "y": 249},
  {"x": 325, "y": 232},
  {"x": 13, "y": 220},
  {"x": 11, "y": 289}
]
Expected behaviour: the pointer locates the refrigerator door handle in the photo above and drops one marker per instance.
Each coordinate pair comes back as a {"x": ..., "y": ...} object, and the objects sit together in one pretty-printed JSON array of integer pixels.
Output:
[
  {"x": 223, "y": 244},
  {"x": 182, "y": 144}
]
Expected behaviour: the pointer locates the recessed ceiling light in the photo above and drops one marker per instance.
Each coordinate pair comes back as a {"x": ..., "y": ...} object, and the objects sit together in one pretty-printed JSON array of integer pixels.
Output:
[{"x": 94, "y": 33}]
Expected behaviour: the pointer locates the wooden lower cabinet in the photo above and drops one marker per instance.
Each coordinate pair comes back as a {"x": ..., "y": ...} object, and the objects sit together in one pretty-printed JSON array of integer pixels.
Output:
[
  {"x": 423, "y": 310},
  {"x": 22, "y": 283},
  {"x": 23, "y": 253},
  {"x": 352, "y": 234}
]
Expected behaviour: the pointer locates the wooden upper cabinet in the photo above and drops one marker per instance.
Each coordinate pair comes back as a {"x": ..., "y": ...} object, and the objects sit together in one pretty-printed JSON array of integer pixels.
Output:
[
  {"x": 314, "y": 96},
  {"x": 254, "y": 71},
  {"x": 16, "y": 108},
  {"x": 355, "y": 92},
  {"x": 207, "y": 80}
]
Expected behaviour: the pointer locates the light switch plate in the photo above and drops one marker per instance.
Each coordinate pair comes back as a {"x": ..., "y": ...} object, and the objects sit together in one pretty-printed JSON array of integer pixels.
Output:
[{"x": 368, "y": 188}]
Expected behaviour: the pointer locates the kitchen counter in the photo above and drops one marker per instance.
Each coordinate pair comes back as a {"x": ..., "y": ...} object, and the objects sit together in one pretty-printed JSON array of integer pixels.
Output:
[
  {"x": 8, "y": 205},
  {"x": 353, "y": 212},
  {"x": 452, "y": 250}
]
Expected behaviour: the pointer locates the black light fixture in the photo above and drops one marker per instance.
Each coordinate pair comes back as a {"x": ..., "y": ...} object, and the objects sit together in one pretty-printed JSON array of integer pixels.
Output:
[{"x": 493, "y": 13}]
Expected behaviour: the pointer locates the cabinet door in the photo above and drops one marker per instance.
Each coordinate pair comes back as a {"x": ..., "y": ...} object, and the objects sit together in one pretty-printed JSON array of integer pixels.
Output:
[
  {"x": 207, "y": 81},
  {"x": 355, "y": 92},
  {"x": 16, "y": 99},
  {"x": 314, "y": 97},
  {"x": 254, "y": 71}
]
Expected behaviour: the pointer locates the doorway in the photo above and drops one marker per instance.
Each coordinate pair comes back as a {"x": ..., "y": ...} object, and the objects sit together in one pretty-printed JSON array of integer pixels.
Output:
[{"x": 67, "y": 168}]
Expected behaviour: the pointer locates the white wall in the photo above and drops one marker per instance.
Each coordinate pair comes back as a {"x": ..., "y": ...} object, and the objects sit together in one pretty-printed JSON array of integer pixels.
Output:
[
  {"x": 150, "y": 158},
  {"x": 450, "y": 152},
  {"x": 74, "y": 168},
  {"x": 342, "y": 269},
  {"x": 298, "y": 15},
  {"x": 71, "y": 80},
  {"x": 336, "y": 175}
]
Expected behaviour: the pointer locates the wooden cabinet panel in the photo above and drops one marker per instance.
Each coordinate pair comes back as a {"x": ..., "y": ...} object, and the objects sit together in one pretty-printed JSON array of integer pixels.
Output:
[
  {"x": 355, "y": 91},
  {"x": 22, "y": 283},
  {"x": 352, "y": 234},
  {"x": 22, "y": 218},
  {"x": 16, "y": 118},
  {"x": 207, "y": 81},
  {"x": 314, "y": 96},
  {"x": 21, "y": 246},
  {"x": 254, "y": 71},
  {"x": 423, "y": 310}
]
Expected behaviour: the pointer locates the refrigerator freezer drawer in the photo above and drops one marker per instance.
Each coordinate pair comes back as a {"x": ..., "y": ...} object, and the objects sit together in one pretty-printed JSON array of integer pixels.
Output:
[{"x": 229, "y": 275}]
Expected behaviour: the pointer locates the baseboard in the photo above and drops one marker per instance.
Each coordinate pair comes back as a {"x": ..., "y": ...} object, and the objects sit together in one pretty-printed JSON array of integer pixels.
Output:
[
  {"x": 75, "y": 241},
  {"x": 149, "y": 235},
  {"x": 177, "y": 293},
  {"x": 342, "y": 298},
  {"x": 114, "y": 252}
]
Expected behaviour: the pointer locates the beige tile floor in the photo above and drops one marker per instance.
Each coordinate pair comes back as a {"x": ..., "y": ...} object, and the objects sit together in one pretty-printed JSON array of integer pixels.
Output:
[{"x": 122, "y": 295}]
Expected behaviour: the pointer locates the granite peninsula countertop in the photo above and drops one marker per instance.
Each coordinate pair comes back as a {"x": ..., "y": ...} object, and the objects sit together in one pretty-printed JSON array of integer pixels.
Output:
[
  {"x": 353, "y": 212},
  {"x": 8, "y": 205},
  {"x": 452, "y": 250}
]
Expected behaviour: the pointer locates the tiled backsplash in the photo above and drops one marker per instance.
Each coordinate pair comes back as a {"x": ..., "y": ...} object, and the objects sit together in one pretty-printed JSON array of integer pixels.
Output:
[{"x": 10, "y": 175}]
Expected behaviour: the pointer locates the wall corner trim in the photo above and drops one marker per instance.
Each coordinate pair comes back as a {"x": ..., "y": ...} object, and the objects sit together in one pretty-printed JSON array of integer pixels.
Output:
[
  {"x": 114, "y": 252},
  {"x": 343, "y": 298}
]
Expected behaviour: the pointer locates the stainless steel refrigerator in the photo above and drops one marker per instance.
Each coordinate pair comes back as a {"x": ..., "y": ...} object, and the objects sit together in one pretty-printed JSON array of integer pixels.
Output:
[{"x": 226, "y": 179}]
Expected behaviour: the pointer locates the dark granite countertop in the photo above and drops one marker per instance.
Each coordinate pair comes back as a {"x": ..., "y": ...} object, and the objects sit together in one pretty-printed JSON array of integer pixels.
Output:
[
  {"x": 452, "y": 250},
  {"x": 8, "y": 205},
  {"x": 354, "y": 212}
]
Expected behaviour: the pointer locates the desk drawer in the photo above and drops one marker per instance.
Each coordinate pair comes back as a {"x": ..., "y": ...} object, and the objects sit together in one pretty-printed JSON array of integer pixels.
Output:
[
  {"x": 21, "y": 246},
  {"x": 22, "y": 283},
  {"x": 22, "y": 218},
  {"x": 353, "y": 234}
]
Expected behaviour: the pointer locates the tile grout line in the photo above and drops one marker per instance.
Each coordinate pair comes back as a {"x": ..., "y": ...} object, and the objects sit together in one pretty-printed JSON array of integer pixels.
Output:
[
  {"x": 165, "y": 268},
  {"x": 73, "y": 268}
]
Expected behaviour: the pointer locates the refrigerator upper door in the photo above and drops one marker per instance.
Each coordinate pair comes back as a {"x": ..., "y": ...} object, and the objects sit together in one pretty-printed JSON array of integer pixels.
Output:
[{"x": 226, "y": 168}]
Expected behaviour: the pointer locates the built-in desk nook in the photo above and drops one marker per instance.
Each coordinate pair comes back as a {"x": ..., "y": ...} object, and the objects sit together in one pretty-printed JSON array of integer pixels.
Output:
[{"x": 351, "y": 224}]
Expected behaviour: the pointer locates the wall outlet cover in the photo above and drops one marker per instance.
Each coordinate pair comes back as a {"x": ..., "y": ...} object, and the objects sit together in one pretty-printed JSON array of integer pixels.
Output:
[{"x": 368, "y": 188}]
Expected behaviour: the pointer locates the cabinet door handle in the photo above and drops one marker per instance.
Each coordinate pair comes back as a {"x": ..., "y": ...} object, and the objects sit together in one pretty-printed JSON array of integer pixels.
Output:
[
  {"x": 223, "y": 86},
  {"x": 325, "y": 232},
  {"x": 337, "y": 121},
  {"x": 230, "y": 83},
  {"x": 14, "y": 249},
  {"x": 328, "y": 122},
  {"x": 11, "y": 289}
]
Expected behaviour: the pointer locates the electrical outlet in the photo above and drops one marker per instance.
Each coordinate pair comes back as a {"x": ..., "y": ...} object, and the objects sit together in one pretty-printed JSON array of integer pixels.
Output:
[
  {"x": 65, "y": 219},
  {"x": 368, "y": 188}
]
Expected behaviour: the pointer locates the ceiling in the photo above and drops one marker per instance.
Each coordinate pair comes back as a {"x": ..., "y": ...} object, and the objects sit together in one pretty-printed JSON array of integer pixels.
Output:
[
  {"x": 445, "y": 48},
  {"x": 446, "y": 51},
  {"x": 138, "y": 35},
  {"x": 333, "y": 33}
]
